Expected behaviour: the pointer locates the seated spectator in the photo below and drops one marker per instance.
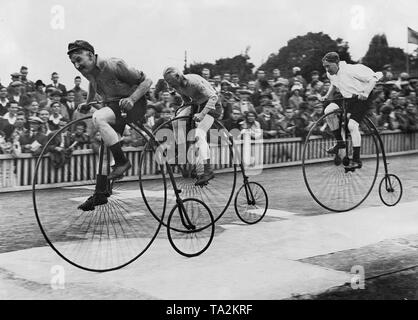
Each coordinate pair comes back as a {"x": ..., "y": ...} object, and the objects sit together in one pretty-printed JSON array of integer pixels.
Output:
[
  {"x": 32, "y": 110},
  {"x": 166, "y": 115},
  {"x": 127, "y": 139},
  {"x": 315, "y": 82},
  {"x": 56, "y": 84},
  {"x": 265, "y": 98},
  {"x": 70, "y": 104},
  {"x": 411, "y": 117},
  {"x": 10, "y": 116},
  {"x": 315, "y": 116},
  {"x": 233, "y": 122},
  {"x": 4, "y": 102},
  {"x": 286, "y": 125},
  {"x": 297, "y": 77},
  {"x": 277, "y": 97},
  {"x": 28, "y": 85},
  {"x": 251, "y": 126},
  {"x": 384, "y": 120},
  {"x": 303, "y": 121},
  {"x": 55, "y": 117},
  {"x": 166, "y": 100},
  {"x": 244, "y": 104},
  {"x": 40, "y": 94},
  {"x": 295, "y": 98},
  {"x": 315, "y": 88},
  {"x": 19, "y": 126},
  {"x": 96, "y": 142},
  {"x": 6, "y": 127},
  {"x": 15, "y": 93},
  {"x": 61, "y": 147},
  {"x": 79, "y": 93},
  {"x": 5, "y": 146},
  {"x": 56, "y": 96},
  {"x": 379, "y": 100},
  {"x": 149, "y": 118},
  {"x": 9, "y": 146},
  {"x": 44, "y": 116},
  {"x": 268, "y": 122},
  {"x": 89, "y": 122},
  {"x": 79, "y": 136},
  {"x": 33, "y": 139}
]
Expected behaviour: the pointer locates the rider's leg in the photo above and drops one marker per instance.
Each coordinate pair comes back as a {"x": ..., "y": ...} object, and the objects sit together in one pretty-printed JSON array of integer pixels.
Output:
[
  {"x": 353, "y": 126},
  {"x": 180, "y": 135},
  {"x": 102, "y": 120},
  {"x": 204, "y": 150},
  {"x": 334, "y": 124}
]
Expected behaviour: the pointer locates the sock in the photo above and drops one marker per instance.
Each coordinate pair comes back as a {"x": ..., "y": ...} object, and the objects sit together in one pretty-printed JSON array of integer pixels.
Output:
[
  {"x": 337, "y": 135},
  {"x": 207, "y": 167},
  {"x": 356, "y": 154},
  {"x": 118, "y": 154}
]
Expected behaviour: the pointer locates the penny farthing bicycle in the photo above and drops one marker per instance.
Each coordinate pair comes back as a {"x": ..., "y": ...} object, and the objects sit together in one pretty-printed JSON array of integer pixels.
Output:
[
  {"x": 330, "y": 182},
  {"x": 183, "y": 167}
]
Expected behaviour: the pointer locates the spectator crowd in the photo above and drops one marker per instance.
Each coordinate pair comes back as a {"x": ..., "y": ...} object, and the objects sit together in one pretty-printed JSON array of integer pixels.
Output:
[{"x": 270, "y": 106}]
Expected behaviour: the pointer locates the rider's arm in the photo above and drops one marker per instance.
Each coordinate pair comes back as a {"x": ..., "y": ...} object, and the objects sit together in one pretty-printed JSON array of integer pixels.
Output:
[
  {"x": 330, "y": 92},
  {"x": 142, "y": 89},
  {"x": 92, "y": 93},
  {"x": 132, "y": 76},
  {"x": 210, "y": 105}
]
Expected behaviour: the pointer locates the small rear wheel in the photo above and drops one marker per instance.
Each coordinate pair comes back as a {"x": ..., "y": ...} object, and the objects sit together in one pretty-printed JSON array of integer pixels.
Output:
[
  {"x": 251, "y": 202},
  {"x": 390, "y": 190},
  {"x": 190, "y": 227}
]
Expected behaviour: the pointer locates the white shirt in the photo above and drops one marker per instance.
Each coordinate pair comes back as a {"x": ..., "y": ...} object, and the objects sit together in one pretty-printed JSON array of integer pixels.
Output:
[
  {"x": 352, "y": 79},
  {"x": 11, "y": 120},
  {"x": 5, "y": 102}
]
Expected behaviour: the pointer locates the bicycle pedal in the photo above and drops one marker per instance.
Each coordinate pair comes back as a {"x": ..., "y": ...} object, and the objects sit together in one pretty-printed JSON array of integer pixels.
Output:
[{"x": 347, "y": 169}]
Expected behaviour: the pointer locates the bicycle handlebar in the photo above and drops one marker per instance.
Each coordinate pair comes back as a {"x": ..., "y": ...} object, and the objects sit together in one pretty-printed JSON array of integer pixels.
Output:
[{"x": 341, "y": 99}]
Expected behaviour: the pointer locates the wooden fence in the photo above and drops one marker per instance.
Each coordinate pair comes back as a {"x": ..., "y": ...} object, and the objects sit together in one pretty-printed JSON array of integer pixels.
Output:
[{"x": 16, "y": 173}]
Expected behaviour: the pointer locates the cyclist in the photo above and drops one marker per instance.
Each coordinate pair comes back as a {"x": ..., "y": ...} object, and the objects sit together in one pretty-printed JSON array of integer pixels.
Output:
[
  {"x": 200, "y": 92},
  {"x": 124, "y": 89},
  {"x": 355, "y": 83}
]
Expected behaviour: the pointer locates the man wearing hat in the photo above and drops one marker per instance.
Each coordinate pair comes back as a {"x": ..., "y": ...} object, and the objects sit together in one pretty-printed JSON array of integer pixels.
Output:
[
  {"x": 33, "y": 140},
  {"x": 124, "y": 89},
  {"x": 56, "y": 85},
  {"x": 355, "y": 82},
  {"x": 40, "y": 94},
  {"x": 4, "y": 101},
  {"x": 79, "y": 93},
  {"x": 28, "y": 85},
  {"x": 15, "y": 93}
]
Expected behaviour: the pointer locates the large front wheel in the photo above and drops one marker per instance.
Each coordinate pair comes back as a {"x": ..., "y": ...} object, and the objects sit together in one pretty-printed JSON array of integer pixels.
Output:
[
  {"x": 115, "y": 232},
  {"x": 190, "y": 227},
  {"x": 326, "y": 177},
  {"x": 174, "y": 148}
]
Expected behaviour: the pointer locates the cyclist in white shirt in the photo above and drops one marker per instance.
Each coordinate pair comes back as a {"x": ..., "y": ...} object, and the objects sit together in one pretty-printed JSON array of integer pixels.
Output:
[{"x": 355, "y": 82}]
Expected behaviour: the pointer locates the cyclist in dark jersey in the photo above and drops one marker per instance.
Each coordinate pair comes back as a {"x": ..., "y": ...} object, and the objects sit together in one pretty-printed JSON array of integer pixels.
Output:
[{"x": 123, "y": 89}]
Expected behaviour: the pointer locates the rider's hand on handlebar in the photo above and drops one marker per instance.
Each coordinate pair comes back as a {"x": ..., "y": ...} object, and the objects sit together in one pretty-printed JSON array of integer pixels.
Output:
[
  {"x": 362, "y": 97},
  {"x": 198, "y": 117},
  {"x": 322, "y": 98},
  {"x": 84, "y": 107},
  {"x": 126, "y": 104}
]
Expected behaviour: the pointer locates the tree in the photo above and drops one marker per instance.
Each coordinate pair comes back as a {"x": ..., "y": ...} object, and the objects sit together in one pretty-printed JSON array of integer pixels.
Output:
[
  {"x": 237, "y": 65},
  {"x": 306, "y": 52},
  {"x": 379, "y": 54}
]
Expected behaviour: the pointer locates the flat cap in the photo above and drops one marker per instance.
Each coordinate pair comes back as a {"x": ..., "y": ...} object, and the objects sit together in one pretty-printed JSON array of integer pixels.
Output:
[{"x": 79, "y": 45}]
